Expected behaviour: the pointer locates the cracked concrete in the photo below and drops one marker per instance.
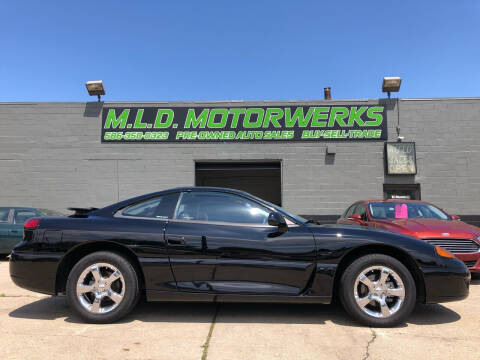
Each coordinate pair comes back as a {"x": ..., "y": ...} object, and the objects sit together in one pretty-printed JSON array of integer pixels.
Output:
[
  {"x": 35, "y": 326},
  {"x": 370, "y": 342},
  {"x": 210, "y": 332}
]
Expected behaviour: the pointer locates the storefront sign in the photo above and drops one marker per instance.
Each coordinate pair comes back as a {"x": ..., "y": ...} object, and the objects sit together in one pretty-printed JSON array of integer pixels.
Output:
[
  {"x": 401, "y": 158},
  {"x": 233, "y": 124}
]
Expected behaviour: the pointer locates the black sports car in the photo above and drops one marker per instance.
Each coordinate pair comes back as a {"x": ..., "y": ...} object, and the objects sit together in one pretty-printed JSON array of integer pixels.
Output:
[{"x": 215, "y": 244}]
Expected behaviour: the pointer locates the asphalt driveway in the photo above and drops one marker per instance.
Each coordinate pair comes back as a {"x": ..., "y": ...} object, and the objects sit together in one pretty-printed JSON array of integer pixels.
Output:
[{"x": 35, "y": 326}]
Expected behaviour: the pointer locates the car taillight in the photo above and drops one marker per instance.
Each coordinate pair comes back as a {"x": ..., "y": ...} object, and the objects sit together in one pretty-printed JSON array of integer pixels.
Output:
[{"x": 31, "y": 224}]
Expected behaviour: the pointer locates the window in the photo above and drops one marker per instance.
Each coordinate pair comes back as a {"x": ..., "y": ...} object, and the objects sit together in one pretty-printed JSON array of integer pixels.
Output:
[
  {"x": 220, "y": 207},
  {"x": 282, "y": 211},
  {"x": 406, "y": 210},
  {"x": 349, "y": 212},
  {"x": 360, "y": 210},
  {"x": 21, "y": 216},
  {"x": 161, "y": 207},
  {"x": 4, "y": 214}
]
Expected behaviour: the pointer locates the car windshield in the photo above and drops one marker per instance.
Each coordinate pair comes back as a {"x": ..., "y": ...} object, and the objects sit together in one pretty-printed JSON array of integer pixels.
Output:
[
  {"x": 297, "y": 218},
  {"x": 405, "y": 210}
]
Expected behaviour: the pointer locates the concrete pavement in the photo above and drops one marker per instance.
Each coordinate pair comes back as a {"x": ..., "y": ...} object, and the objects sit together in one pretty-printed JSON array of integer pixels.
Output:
[{"x": 35, "y": 326}]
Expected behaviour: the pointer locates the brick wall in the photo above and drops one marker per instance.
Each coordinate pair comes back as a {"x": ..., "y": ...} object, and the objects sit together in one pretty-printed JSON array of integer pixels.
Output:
[{"x": 51, "y": 157}]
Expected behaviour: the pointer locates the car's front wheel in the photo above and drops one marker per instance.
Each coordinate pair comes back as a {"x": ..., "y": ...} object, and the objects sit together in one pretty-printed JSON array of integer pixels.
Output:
[
  {"x": 102, "y": 287},
  {"x": 378, "y": 290}
]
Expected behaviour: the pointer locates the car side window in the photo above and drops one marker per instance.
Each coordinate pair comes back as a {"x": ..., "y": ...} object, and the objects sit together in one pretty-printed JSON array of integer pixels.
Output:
[
  {"x": 20, "y": 217},
  {"x": 349, "y": 212},
  {"x": 220, "y": 207},
  {"x": 360, "y": 210},
  {"x": 161, "y": 207},
  {"x": 4, "y": 212}
]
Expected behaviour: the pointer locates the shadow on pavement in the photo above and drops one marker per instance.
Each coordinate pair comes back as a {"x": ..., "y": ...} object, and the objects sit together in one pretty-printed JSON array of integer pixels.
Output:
[
  {"x": 475, "y": 279},
  {"x": 56, "y": 307},
  {"x": 432, "y": 315}
]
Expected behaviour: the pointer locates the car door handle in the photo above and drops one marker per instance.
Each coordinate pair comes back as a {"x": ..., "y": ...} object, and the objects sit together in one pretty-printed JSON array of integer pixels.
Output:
[
  {"x": 14, "y": 231},
  {"x": 176, "y": 240}
]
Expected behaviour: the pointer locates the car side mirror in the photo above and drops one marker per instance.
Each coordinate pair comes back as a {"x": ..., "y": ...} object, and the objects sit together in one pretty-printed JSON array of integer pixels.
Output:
[
  {"x": 276, "y": 219},
  {"x": 357, "y": 218},
  {"x": 454, "y": 217}
]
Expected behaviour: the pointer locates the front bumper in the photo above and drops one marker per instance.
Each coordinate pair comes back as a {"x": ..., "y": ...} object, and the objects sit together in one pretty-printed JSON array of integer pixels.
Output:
[
  {"x": 471, "y": 260},
  {"x": 34, "y": 271},
  {"x": 447, "y": 283}
]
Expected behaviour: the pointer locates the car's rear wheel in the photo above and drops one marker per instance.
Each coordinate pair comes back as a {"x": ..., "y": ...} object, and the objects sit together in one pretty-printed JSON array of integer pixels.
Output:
[
  {"x": 378, "y": 290},
  {"x": 103, "y": 287}
]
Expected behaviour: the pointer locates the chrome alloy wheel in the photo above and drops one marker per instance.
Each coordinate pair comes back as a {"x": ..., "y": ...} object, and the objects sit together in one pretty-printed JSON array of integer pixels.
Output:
[
  {"x": 379, "y": 291},
  {"x": 100, "y": 288}
]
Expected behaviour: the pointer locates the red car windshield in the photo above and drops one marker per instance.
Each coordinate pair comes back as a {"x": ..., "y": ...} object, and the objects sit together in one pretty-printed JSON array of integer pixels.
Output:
[{"x": 404, "y": 210}]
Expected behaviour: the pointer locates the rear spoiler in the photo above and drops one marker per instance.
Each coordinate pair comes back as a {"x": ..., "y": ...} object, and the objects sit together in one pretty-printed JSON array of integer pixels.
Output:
[{"x": 81, "y": 212}]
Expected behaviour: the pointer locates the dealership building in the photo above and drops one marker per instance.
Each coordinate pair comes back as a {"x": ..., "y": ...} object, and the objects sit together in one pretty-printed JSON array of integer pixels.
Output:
[{"x": 313, "y": 157}]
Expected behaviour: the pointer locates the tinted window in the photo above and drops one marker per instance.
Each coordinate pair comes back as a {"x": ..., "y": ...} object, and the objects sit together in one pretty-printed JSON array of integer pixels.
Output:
[
  {"x": 221, "y": 207},
  {"x": 4, "y": 214},
  {"x": 21, "y": 216},
  {"x": 282, "y": 210},
  {"x": 161, "y": 207}
]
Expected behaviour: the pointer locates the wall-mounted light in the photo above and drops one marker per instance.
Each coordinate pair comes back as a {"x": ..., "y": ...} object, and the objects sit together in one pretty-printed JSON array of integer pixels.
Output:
[
  {"x": 95, "y": 88},
  {"x": 391, "y": 84}
]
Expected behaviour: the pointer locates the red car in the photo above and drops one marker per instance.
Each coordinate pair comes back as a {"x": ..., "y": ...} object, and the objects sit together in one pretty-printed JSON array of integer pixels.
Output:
[{"x": 421, "y": 220}]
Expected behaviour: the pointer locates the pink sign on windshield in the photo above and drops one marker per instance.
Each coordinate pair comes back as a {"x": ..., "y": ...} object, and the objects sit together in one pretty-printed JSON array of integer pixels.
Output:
[{"x": 401, "y": 211}]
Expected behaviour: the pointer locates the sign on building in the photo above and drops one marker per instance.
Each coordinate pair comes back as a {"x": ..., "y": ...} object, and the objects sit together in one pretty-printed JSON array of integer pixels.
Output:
[
  {"x": 234, "y": 124},
  {"x": 401, "y": 158}
]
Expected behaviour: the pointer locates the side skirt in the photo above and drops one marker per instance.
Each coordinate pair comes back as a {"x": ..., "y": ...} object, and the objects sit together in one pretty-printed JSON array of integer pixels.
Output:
[{"x": 177, "y": 296}]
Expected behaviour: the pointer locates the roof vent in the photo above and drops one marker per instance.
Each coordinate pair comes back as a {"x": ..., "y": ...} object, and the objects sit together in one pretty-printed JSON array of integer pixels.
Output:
[{"x": 327, "y": 93}]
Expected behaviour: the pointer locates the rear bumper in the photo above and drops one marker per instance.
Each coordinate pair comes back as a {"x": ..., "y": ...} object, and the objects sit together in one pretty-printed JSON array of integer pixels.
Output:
[
  {"x": 449, "y": 283},
  {"x": 35, "y": 272},
  {"x": 471, "y": 260}
]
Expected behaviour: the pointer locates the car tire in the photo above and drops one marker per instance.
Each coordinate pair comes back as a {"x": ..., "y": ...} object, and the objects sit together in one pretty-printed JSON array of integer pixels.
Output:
[
  {"x": 378, "y": 291},
  {"x": 103, "y": 287}
]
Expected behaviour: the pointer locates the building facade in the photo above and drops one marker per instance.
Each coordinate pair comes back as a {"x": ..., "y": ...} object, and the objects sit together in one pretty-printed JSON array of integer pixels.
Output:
[{"x": 55, "y": 155}]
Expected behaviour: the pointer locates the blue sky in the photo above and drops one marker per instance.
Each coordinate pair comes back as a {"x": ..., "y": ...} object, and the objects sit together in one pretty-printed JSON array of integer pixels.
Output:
[{"x": 221, "y": 50}]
